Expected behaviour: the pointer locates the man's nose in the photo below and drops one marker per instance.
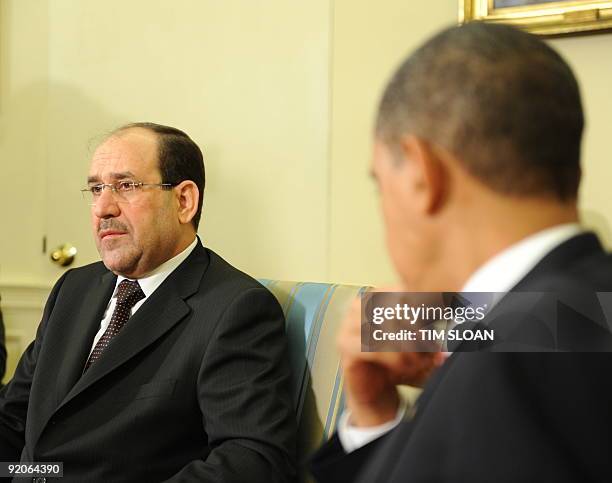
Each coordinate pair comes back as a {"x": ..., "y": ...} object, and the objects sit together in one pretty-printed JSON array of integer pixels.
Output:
[{"x": 106, "y": 205}]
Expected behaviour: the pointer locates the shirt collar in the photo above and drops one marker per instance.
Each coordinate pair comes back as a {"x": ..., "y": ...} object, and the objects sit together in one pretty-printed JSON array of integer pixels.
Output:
[
  {"x": 154, "y": 279},
  {"x": 506, "y": 269}
]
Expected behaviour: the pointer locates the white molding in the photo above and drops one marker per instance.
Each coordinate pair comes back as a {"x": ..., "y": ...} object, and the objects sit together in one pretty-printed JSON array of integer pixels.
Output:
[
  {"x": 22, "y": 306},
  {"x": 20, "y": 297},
  {"x": 14, "y": 335},
  {"x": 16, "y": 341}
]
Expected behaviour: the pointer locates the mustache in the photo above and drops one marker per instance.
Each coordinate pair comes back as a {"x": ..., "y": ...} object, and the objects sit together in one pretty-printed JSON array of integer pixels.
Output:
[{"x": 112, "y": 224}]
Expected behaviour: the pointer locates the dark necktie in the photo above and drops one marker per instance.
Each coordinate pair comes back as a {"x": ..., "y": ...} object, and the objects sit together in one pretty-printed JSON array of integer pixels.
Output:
[{"x": 128, "y": 295}]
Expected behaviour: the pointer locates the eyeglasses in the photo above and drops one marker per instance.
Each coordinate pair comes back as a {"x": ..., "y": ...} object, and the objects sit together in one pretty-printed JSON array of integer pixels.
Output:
[{"x": 122, "y": 191}]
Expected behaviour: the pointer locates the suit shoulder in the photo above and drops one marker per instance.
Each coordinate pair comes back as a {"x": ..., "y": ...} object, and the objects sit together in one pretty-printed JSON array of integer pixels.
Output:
[
  {"x": 223, "y": 285},
  {"x": 595, "y": 271},
  {"x": 590, "y": 274},
  {"x": 78, "y": 278},
  {"x": 90, "y": 270},
  {"x": 222, "y": 272}
]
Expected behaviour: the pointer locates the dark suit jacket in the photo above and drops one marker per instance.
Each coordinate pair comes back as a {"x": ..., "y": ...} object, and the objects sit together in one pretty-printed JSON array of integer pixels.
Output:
[
  {"x": 194, "y": 388},
  {"x": 2, "y": 349},
  {"x": 504, "y": 417}
]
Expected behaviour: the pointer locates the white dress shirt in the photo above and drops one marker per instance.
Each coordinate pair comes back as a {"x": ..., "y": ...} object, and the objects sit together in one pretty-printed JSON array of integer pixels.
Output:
[
  {"x": 499, "y": 274},
  {"x": 148, "y": 284}
]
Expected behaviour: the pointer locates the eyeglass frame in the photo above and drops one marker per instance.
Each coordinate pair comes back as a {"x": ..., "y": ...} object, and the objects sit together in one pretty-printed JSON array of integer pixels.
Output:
[{"x": 135, "y": 186}]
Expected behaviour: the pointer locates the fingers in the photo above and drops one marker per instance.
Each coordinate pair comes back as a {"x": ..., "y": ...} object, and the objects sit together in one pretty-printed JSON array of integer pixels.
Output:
[
  {"x": 411, "y": 368},
  {"x": 370, "y": 378}
]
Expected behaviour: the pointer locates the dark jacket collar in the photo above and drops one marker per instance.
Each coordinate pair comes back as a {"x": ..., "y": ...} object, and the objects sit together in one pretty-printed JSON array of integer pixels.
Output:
[{"x": 568, "y": 253}]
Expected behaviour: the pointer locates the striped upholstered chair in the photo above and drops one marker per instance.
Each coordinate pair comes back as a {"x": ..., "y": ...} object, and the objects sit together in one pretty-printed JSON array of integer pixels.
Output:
[{"x": 314, "y": 312}]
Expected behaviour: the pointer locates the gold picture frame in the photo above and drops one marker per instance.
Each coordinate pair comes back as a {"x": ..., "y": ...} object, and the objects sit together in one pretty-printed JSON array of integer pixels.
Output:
[{"x": 542, "y": 17}]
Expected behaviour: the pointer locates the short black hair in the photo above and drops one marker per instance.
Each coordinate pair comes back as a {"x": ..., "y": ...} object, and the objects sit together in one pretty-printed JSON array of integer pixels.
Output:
[
  {"x": 499, "y": 99},
  {"x": 179, "y": 158}
]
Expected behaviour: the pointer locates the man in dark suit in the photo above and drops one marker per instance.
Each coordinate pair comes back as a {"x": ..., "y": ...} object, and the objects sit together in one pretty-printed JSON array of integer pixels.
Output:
[
  {"x": 162, "y": 362},
  {"x": 477, "y": 160}
]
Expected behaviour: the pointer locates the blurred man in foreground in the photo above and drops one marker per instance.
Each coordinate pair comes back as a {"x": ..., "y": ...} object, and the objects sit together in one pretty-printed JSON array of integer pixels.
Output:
[
  {"x": 162, "y": 362},
  {"x": 476, "y": 156}
]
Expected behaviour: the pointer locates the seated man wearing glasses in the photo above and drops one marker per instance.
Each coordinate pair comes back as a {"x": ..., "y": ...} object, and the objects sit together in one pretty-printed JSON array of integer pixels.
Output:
[{"x": 162, "y": 362}]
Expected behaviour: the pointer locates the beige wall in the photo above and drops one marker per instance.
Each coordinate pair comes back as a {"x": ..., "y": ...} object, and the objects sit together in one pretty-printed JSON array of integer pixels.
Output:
[
  {"x": 281, "y": 95},
  {"x": 369, "y": 40},
  {"x": 249, "y": 81},
  {"x": 23, "y": 138},
  {"x": 591, "y": 59}
]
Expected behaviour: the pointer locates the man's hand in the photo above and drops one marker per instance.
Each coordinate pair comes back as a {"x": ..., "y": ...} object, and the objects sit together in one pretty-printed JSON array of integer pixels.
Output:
[{"x": 370, "y": 378}]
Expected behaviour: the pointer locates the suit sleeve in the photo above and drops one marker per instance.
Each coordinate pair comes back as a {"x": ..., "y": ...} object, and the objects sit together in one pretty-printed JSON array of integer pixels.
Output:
[
  {"x": 15, "y": 395},
  {"x": 571, "y": 397},
  {"x": 2, "y": 348},
  {"x": 331, "y": 464},
  {"x": 245, "y": 399}
]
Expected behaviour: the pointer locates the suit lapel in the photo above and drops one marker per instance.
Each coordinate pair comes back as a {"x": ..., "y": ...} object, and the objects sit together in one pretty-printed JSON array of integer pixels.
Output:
[
  {"x": 76, "y": 326},
  {"x": 87, "y": 323},
  {"x": 164, "y": 309}
]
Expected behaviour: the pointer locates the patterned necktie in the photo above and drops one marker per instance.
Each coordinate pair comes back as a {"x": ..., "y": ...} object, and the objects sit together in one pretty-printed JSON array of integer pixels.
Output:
[{"x": 128, "y": 295}]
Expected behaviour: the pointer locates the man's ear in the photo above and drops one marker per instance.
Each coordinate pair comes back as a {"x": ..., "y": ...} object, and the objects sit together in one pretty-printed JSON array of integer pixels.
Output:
[
  {"x": 187, "y": 196},
  {"x": 429, "y": 176}
]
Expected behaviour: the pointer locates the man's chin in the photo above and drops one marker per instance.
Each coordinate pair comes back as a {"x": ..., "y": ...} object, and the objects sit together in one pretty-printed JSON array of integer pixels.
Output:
[{"x": 119, "y": 263}]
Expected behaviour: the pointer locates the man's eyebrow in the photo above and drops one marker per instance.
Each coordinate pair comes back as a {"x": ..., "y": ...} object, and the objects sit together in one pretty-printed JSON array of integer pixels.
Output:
[
  {"x": 121, "y": 175},
  {"x": 372, "y": 175}
]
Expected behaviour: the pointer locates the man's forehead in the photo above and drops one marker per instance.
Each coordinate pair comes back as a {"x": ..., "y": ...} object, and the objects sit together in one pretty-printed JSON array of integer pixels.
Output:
[
  {"x": 128, "y": 152},
  {"x": 115, "y": 153}
]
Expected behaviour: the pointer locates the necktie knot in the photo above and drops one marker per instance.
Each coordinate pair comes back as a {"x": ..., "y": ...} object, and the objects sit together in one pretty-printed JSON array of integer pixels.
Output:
[{"x": 129, "y": 293}]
